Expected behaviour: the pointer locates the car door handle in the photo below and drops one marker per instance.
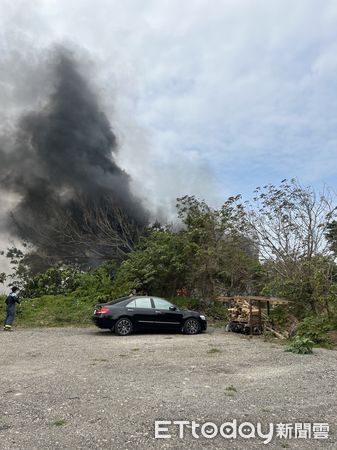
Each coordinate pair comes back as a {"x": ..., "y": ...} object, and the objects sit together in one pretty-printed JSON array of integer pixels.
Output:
[{"x": 158, "y": 312}]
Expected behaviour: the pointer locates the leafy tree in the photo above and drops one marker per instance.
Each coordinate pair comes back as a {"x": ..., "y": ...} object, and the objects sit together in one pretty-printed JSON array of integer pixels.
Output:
[
  {"x": 20, "y": 269},
  {"x": 289, "y": 223},
  {"x": 25, "y": 264},
  {"x": 331, "y": 236},
  {"x": 210, "y": 254},
  {"x": 158, "y": 266},
  {"x": 56, "y": 280},
  {"x": 61, "y": 279},
  {"x": 224, "y": 258},
  {"x": 311, "y": 287}
]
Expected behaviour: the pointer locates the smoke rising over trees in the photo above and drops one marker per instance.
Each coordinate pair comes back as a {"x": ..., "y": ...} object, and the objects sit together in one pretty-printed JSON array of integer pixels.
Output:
[{"x": 74, "y": 200}]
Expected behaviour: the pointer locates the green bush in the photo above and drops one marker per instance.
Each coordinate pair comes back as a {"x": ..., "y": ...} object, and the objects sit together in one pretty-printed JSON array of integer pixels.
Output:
[
  {"x": 2, "y": 307},
  {"x": 300, "y": 345},
  {"x": 58, "y": 279},
  {"x": 52, "y": 311},
  {"x": 314, "y": 328},
  {"x": 333, "y": 322},
  {"x": 63, "y": 280},
  {"x": 279, "y": 315},
  {"x": 186, "y": 303},
  {"x": 217, "y": 311},
  {"x": 214, "y": 311}
]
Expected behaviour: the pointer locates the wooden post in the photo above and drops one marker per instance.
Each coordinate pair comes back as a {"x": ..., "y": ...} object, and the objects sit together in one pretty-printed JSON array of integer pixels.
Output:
[
  {"x": 268, "y": 308},
  {"x": 250, "y": 317},
  {"x": 260, "y": 318}
]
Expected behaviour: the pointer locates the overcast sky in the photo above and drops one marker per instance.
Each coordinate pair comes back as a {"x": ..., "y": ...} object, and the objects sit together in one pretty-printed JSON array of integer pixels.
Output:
[{"x": 207, "y": 97}]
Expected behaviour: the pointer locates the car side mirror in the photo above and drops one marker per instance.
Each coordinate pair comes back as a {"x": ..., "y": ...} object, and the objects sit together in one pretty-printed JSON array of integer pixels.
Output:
[{"x": 173, "y": 308}]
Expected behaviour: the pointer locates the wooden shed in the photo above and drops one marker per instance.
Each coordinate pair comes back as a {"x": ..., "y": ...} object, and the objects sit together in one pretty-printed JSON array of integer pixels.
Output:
[{"x": 248, "y": 313}]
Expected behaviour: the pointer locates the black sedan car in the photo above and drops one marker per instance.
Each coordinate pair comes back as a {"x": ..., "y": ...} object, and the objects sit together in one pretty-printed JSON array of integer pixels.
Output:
[{"x": 128, "y": 314}]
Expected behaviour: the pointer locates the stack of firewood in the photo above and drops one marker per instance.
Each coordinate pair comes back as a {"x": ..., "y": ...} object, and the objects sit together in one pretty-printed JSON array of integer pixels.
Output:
[{"x": 240, "y": 311}]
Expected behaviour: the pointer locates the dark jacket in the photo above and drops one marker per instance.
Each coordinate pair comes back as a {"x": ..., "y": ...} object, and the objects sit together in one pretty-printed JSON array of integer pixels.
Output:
[{"x": 12, "y": 299}]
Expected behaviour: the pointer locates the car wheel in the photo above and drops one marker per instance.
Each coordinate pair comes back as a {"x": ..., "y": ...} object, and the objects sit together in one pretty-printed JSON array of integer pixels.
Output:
[
  {"x": 123, "y": 327},
  {"x": 191, "y": 326}
]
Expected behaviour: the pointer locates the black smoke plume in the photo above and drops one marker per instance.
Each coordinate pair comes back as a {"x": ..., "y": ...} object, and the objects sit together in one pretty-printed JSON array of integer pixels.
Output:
[{"x": 75, "y": 202}]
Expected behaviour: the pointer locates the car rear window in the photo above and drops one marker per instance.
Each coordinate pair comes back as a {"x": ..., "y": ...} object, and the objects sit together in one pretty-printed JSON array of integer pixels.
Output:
[{"x": 117, "y": 300}]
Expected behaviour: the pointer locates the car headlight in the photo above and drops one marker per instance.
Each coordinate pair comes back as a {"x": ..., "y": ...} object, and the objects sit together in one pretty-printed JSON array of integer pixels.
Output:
[{"x": 202, "y": 317}]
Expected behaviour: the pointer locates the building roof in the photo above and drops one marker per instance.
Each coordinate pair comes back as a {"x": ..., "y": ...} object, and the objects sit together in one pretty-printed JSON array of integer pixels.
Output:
[{"x": 273, "y": 300}]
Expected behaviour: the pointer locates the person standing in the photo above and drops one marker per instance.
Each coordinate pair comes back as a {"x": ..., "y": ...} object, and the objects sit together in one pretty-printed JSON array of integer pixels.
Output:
[{"x": 11, "y": 302}]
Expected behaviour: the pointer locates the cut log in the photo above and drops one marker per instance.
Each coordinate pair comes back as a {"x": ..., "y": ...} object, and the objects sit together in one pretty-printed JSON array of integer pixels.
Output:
[{"x": 277, "y": 334}]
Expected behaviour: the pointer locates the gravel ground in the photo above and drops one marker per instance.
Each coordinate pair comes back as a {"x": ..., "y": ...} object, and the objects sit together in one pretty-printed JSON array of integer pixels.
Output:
[{"x": 86, "y": 389}]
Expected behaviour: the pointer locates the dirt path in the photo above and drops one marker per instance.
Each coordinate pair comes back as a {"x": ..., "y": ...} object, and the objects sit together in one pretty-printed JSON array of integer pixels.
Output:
[{"x": 81, "y": 389}]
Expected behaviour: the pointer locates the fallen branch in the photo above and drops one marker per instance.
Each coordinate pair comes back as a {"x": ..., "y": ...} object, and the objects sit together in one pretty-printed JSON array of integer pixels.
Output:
[{"x": 277, "y": 334}]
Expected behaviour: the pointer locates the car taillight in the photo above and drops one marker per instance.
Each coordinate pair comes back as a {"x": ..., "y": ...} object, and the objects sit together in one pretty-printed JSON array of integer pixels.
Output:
[{"x": 102, "y": 310}]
